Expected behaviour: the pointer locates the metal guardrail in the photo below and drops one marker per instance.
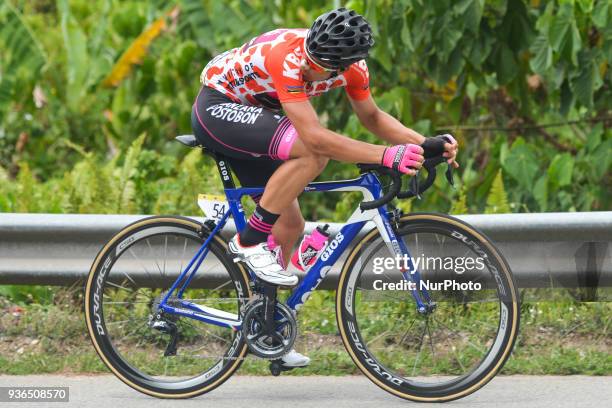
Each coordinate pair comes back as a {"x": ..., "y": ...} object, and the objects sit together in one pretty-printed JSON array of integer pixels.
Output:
[{"x": 560, "y": 250}]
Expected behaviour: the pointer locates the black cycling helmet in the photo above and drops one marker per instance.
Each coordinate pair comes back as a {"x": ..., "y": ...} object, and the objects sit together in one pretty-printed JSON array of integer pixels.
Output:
[{"x": 339, "y": 38}]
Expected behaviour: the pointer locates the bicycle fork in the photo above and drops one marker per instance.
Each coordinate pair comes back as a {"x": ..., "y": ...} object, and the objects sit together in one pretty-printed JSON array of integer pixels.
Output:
[
  {"x": 424, "y": 303},
  {"x": 422, "y": 299}
]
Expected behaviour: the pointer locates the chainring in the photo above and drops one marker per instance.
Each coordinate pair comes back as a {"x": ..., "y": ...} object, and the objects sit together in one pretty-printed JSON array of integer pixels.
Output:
[{"x": 264, "y": 345}]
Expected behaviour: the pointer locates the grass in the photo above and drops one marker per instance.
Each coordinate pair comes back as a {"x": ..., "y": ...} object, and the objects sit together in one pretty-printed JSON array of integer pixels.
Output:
[{"x": 561, "y": 338}]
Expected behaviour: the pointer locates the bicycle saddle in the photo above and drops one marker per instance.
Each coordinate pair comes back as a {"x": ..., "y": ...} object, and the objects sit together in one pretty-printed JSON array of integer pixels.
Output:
[{"x": 188, "y": 140}]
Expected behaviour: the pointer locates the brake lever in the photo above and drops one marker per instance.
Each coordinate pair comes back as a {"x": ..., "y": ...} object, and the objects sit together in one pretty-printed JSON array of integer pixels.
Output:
[
  {"x": 449, "y": 175},
  {"x": 416, "y": 188},
  {"x": 414, "y": 185}
]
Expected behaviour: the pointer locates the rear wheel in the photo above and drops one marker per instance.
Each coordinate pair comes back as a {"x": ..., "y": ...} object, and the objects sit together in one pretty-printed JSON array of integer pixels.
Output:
[
  {"x": 455, "y": 347},
  {"x": 128, "y": 279}
]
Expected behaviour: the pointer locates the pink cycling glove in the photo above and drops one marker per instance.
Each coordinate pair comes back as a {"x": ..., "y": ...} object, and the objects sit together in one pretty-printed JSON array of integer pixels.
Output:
[{"x": 403, "y": 158}]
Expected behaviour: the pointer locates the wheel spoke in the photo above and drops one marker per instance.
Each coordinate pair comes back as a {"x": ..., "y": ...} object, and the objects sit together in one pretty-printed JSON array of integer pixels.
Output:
[
  {"x": 128, "y": 306},
  {"x": 123, "y": 303},
  {"x": 439, "y": 346},
  {"x": 223, "y": 284},
  {"x": 144, "y": 268},
  {"x": 165, "y": 254},
  {"x": 418, "y": 356},
  {"x": 156, "y": 263},
  {"x": 180, "y": 270},
  {"x": 406, "y": 332},
  {"x": 202, "y": 329},
  {"x": 433, "y": 352},
  {"x": 460, "y": 335},
  {"x": 119, "y": 286},
  {"x": 117, "y": 322},
  {"x": 454, "y": 351}
]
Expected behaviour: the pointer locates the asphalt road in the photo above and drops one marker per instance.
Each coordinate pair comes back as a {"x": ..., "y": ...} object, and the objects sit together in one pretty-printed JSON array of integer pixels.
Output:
[{"x": 314, "y": 391}]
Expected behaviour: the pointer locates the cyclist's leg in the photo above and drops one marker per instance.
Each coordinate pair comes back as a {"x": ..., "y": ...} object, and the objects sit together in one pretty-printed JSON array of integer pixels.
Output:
[
  {"x": 255, "y": 151},
  {"x": 302, "y": 167},
  {"x": 288, "y": 229},
  {"x": 255, "y": 145},
  {"x": 249, "y": 133},
  {"x": 290, "y": 224}
]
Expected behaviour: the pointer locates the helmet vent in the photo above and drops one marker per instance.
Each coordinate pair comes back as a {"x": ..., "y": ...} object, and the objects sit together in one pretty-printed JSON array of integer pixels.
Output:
[
  {"x": 339, "y": 38},
  {"x": 338, "y": 29}
]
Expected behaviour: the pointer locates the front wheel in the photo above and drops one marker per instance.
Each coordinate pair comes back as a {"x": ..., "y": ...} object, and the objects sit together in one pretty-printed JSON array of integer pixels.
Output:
[{"x": 468, "y": 330}]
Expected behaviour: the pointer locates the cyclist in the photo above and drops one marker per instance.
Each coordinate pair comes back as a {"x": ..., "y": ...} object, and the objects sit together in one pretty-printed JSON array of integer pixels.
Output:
[{"x": 239, "y": 113}]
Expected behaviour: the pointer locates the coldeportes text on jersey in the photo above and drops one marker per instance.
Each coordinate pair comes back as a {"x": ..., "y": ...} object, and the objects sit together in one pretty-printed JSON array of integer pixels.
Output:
[{"x": 235, "y": 112}]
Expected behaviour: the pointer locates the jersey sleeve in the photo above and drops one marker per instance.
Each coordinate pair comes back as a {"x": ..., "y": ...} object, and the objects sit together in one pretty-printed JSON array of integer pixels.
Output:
[
  {"x": 283, "y": 64},
  {"x": 358, "y": 81}
]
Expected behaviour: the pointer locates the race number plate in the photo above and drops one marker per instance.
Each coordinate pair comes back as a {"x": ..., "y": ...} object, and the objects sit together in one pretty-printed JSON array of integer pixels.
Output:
[{"x": 213, "y": 206}]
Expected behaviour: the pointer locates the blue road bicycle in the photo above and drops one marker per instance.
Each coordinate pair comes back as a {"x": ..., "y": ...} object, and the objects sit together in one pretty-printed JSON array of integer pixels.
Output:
[{"x": 426, "y": 306}]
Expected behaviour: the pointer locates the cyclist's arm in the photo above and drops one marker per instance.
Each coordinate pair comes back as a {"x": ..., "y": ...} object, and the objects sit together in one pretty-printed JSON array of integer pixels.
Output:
[
  {"x": 382, "y": 124},
  {"x": 325, "y": 142}
]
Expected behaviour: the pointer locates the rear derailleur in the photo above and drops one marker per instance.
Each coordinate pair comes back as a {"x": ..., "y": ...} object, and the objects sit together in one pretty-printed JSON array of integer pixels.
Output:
[{"x": 166, "y": 324}]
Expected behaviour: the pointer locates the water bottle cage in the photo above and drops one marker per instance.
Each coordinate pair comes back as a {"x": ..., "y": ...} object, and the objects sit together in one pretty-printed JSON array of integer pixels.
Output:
[{"x": 306, "y": 262}]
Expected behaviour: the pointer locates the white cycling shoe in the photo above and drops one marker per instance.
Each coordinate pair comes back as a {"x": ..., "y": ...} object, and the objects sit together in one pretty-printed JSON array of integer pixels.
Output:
[
  {"x": 262, "y": 262},
  {"x": 293, "y": 359}
]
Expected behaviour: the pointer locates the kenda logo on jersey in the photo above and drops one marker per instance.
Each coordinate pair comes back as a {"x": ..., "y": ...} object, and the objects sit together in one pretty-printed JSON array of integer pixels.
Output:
[{"x": 235, "y": 112}]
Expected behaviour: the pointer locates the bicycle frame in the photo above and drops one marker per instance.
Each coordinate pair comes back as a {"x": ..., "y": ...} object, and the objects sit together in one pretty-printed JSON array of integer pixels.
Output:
[{"x": 370, "y": 187}]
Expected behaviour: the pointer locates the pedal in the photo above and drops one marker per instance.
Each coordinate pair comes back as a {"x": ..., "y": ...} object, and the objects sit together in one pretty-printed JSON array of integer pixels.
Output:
[
  {"x": 276, "y": 367},
  {"x": 235, "y": 257}
]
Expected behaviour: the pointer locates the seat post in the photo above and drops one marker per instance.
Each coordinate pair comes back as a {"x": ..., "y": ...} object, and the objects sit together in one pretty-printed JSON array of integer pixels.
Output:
[
  {"x": 224, "y": 170},
  {"x": 222, "y": 164}
]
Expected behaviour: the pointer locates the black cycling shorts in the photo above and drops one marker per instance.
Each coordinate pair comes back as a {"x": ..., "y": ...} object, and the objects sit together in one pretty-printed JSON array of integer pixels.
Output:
[{"x": 254, "y": 140}]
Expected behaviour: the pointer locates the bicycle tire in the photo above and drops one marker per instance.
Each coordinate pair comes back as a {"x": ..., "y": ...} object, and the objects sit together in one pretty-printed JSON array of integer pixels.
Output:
[
  {"x": 402, "y": 386},
  {"x": 139, "y": 381}
]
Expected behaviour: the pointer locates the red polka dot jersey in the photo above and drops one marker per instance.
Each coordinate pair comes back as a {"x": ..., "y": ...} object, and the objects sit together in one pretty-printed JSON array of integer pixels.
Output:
[{"x": 266, "y": 71}]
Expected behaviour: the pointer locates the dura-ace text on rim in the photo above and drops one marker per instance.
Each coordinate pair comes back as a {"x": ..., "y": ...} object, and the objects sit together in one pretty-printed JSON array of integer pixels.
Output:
[
  {"x": 148, "y": 230},
  {"x": 499, "y": 281},
  {"x": 168, "y": 317}
]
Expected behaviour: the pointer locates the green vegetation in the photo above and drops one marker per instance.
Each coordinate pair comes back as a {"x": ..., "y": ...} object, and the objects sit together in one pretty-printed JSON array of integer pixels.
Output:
[
  {"x": 140, "y": 181},
  {"x": 556, "y": 338},
  {"x": 82, "y": 81}
]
